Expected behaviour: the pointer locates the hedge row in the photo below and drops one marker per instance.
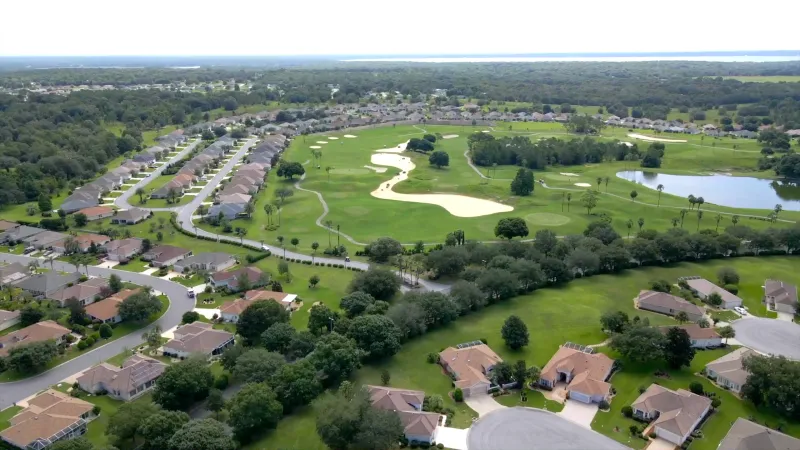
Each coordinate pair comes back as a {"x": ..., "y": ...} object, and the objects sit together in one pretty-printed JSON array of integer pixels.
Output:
[
  {"x": 263, "y": 253},
  {"x": 317, "y": 263}
]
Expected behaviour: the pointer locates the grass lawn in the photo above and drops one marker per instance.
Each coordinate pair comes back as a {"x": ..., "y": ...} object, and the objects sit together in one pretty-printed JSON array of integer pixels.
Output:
[
  {"x": 347, "y": 189},
  {"x": 6, "y": 415},
  {"x": 724, "y": 316},
  {"x": 192, "y": 281},
  {"x": 216, "y": 299},
  {"x": 96, "y": 431},
  {"x": 535, "y": 400},
  {"x": 120, "y": 330},
  {"x": 11, "y": 329}
]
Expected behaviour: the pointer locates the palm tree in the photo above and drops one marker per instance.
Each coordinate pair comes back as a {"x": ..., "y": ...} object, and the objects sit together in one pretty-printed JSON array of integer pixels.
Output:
[
  {"x": 629, "y": 224},
  {"x": 675, "y": 222},
  {"x": 717, "y": 219},
  {"x": 329, "y": 226},
  {"x": 241, "y": 232},
  {"x": 640, "y": 222},
  {"x": 683, "y": 216},
  {"x": 280, "y": 242},
  {"x": 328, "y": 169},
  {"x": 735, "y": 219},
  {"x": 140, "y": 193},
  {"x": 314, "y": 247},
  {"x": 569, "y": 199},
  {"x": 692, "y": 201},
  {"x": 599, "y": 181},
  {"x": 269, "y": 209},
  {"x": 700, "y": 201},
  {"x": 659, "y": 188},
  {"x": 699, "y": 218},
  {"x": 607, "y": 179}
]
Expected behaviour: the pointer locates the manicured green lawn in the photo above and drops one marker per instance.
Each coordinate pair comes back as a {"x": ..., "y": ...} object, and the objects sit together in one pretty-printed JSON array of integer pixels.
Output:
[
  {"x": 6, "y": 415},
  {"x": 11, "y": 329},
  {"x": 535, "y": 400},
  {"x": 724, "y": 316},
  {"x": 216, "y": 299},
  {"x": 192, "y": 281}
]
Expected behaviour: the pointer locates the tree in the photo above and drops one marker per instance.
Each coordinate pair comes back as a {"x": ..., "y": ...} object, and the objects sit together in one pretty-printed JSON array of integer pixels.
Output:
[
  {"x": 523, "y": 183},
  {"x": 258, "y": 317},
  {"x": 659, "y": 188},
  {"x": 699, "y": 218},
  {"x": 614, "y": 321},
  {"x": 639, "y": 344},
  {"x": 430, "y": 138},
  {"x": 205, "y": 434},
  {"x": 30, "y": 315},
  {"x": 545, "y": 241},
  {"x": 114, "y": 283},
  {"x": 105, "y": 331},
  {"x": 468, "y": 296},
  {"x": 157, "y": 429},
  {"x": 439, "y": 159},
  {"x": 346, "y": 420},
  {"x": 420, "y": 145},
  {"x": 382, "y": 284},
  {"x": 124, "y": 424},
  {"x": 634, "y": 194},
  {"x": 80, "y": 219},
  {"x": 313, "y": 281},
  {"x": 589, "y": 200},
  {"x": 727, "y": 332},
  {"x": 45, "y": 204},
  {"x": 355, "y": 303},
  {"x": 682, "y": 317},
  {"x": 321, "y": 319},
  {"x": 215, "y": 401},
  {"x": 336, "y": 357},
  {"x": 290, "y": 169},
  {"x": 257, "y": 365},
  {"x": 378, "y": 336},
  {"x": 31, "y": 358},
  {"x": 386, "y": 377},
  {"x": 515, "y": 333},
  {"x": 381, "y": 249},
  {"x": 253, "y": 408},
  {"x": 511, "y": 227},
  {"x": 640, "y": 222},
  {"x": 190, "y": 317},
  {"x": 80, "y": 443},
  {"x": 140, "y": 192},
  {"x": 520, "y": 373},
  {"x": 278, "y": 337},
  {"x": 296, "y": 384},
  {"x": 727, "y": 275},
  {"x": 714, "y": 299},
  {"x": 139, "y": 307},
  {"x": 678, "y": 351},
  {"x": 183, "y": 383}
]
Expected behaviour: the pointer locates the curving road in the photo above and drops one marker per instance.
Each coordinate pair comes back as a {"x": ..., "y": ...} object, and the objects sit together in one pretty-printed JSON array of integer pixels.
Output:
[{"x": 179, "y": 303}]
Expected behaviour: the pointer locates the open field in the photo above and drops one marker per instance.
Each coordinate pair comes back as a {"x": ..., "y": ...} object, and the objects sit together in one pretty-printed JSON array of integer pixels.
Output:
[
  {"x": 767, "y": 79},
  {"x": 346, "y": 189}
]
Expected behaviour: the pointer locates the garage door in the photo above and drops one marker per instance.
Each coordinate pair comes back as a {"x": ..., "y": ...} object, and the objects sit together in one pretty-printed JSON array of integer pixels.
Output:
[{"x": 583, "y": 398}]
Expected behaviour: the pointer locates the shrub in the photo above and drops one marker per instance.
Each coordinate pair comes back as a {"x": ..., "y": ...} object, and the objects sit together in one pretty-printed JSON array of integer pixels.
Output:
[
  {"x": 90, "y": 341},
  {"x": 440, "y": 445},
  {"x": 642, "y": 389},
  {"x": 627, "y": 411},
  {"x": 106, "y": 331},
  {"x": 221, "y": 382},
  {"x": 424, "y": 444},
  {"x": 634, "y": 429},
  {"x": 603, "y": 405},
  {"x": 652, "y": 435},
  {"x": 82, "y": 345},
  {"x": 432, "y": 358},
  {"x": 458, "y": 395},
  {"x": 732, "y": 288},
  {"x": 485, "y": 341},
  {"x": 413, "y": 444},
  {"x": 96, "y": 410},
  {"x": 715, "y": 403},
  {"x": 696, "y": 387}
]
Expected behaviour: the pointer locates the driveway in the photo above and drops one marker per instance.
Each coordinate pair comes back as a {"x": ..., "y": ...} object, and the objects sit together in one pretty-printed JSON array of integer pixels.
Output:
[
  {"x": 534, "y": 429},
  {"x": 454, "y": 438},
  {"x": 660, "y": 444},
  {"x": 482, "y": 404},
  {"x": 769, "y": 336},
  {"x": 580, "y": 413},
  {"x": 786, "y": 317}
]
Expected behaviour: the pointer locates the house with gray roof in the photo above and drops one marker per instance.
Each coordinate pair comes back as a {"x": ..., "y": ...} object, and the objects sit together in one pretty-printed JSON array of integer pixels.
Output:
[
  {"x": 728, "y": 370},
  {"x": 228, "y": 210},
  {"x": 746, "y": 435},
  {"x": 668, "y": 304},
  {"x": 780, "y": 296},
  {"x": 674, "y": 414},
  {"x": 145, "y": 158},
  {"x": 46, "y": 284},
  {"x": 85, "y": 197},
  {"x": 130, "y": 216},
  {"x": 212, "y": 262},
  {"x": 137, "y": 375},
  {"x": 703, "y": 288},
  {"x": 45, "y": 239},
  {"x": 19, "y": 233},
  {"x": 13, "y": 272},
  {"x": 418, "y": 425}
]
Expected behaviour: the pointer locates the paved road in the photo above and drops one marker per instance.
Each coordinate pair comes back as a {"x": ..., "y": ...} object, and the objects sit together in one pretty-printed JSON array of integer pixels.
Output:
[
  {"x": 769, "y": 336},
  {"x": 179, "y": 303},
  {"x": 122, "y": 200},
  {"x": 534, "y": 429}
]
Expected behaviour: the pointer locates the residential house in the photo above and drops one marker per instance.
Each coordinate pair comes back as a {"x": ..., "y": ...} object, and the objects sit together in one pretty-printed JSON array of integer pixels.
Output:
[
  {"x": 668, "y": 304},
  {"x": 130, "y": 216},
  {"x": 230, "y": 280},
  {"x": 97, "y": 212},
  {"x": 584, "y": 373},
  {"x": 212, "y": 262},
  {"x": 85, "y": 197},
  {"x": 728, "y": 370},
  {"x": 172, "y": 186},
  {"x": 746, "y": 435},
  {"x": 86, "y": 293},
  {"x": 45, "y": 284},
  {"x": 231, "y": 310},
  {"x": 42, "y": 331},
  {"x": 200, "y": 338},
  {"x": 780, "y": 296},
  {"x": 234, "y": 199},
  {"x": 674, "y": 414},
  {"x": 15, "y": 235},
  {"x": 107, "y": 310},
  {"x": 228, "y": 210},
  {"x": 700, "y": 337},
  {"x": 471, "y": 365},
  {"x": 703, "y": 288},
  {"x": 83, "y": 241},
  {"x": 50, "y": 417},
  {"x": 12, "y": 273},
  {"x": 8, "y": 319},
  {"x": 145, "y": 158},
  {"x": 165, "y": 255},
  {"x": 418, "y": 425},
  {"x": 123, "y": 250},
  {"x": 137, "y": 375},
  {"x": 45, "y": 239}
]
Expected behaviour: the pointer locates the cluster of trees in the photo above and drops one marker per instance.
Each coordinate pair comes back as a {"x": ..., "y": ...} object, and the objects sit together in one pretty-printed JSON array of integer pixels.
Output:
[
  {"x": 486, "y": 150},
  {"x": 772, "y": 383}
]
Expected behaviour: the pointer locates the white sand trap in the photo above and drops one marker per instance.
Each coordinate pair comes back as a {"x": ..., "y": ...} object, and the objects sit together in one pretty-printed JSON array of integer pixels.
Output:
[
  {"x": 457, "y": 205},
  {"x": 350, "y": 136},
  {"x": 583, "y": 185},
  {"x": 569, "y": 174},
  {"x": 315, "y": 146},
  {"x": 331, "y": 138},
  {"x": 629, "y": 144},
  {"x": 322, "y": 142},
  {"x": 449, "y": 136},
  {"x": 399, "y": 149},
  {"x": 376, "y": 169},
  {"x": 486, "y": 131},
  {"x": 654, "y": 139}
]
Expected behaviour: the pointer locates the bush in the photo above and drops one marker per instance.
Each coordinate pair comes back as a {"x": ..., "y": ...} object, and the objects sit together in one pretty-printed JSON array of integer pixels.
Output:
[
  {"x": 603, "y": 405},
  {"x": 627, "y": 411},
  {"x": 440, "y": 445},
  {"x": 642, "y": 389},
  {"x": 413, "y": 444},
  {"x": 432, "y": 358},
  {"x": 221, "y": 382},
  {"x": 732, "y": 288},
  {"x": 634, "y": 429},
  {"x": 424, "y": 444},
  {"x": 96, "y": 410},
  {"x": 652, "y": 435},
  {"x": 458, "y": 395},
  {"x": 696, "y": 387},
  {"x": 106, "y": 331},
  {"x": 715, "y": 403},
  {"x": 90, "y": 341},
  {"x": 82, "y": 345}
]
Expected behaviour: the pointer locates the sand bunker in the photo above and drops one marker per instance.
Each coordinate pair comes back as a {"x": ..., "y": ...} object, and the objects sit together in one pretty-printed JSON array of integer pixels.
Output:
[
  {"x": 449, "y": 136},
  {"x": 654, "y": 139},
  {"x": 322, "y": 142},
  {"x": 457, "y": 205},
  {"x": 569, "y": 174},
  {"x": 583, "y": 185},
  {"x": 315, "y": 146},
  {"x": 399, "y": 149},
  {"x": 377, "y": 169},
  {"x": 629, "y": 144},
  {"x": 350, "y": 136},
  {"x": 331, "y": 138},
  {"x": 486, "y": 131}
]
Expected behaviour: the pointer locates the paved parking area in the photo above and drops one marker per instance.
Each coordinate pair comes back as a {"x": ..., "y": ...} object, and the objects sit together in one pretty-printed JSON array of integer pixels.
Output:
[
  {"x": 580, "y": 413},
  {"x": 534, "y": 429},
  {"x": 769, "y": 336}
]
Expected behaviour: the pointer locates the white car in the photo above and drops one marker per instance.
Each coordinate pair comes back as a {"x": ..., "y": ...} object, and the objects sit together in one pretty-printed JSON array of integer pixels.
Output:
[{"x": 740, "y": 310}]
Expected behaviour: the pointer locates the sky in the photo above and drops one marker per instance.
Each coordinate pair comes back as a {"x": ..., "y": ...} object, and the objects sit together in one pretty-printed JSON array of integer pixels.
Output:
[{"x": 358, "y": 27}]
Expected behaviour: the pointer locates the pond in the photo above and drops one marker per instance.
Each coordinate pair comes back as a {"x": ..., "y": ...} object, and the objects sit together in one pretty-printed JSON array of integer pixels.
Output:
[{"x": 723, "y": 190}]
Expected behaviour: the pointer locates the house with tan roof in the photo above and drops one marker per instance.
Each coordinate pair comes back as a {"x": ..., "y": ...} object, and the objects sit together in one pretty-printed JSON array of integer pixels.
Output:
[
  {"x": 746, "y": 435},
  {"x": 123, "y": 250},
  {"x": 85, "y": 293},
  {"x": 700, "y": 337},
  {"x": 472, "y": 365},
  {"x": 107, "y": 310},
  {"x": 165, "y": 255},
  {"x": 97, "y": 212},
  {"x": 583, "y": 373},
  {"x": 50, "y": 417},
  {"x": 5, "y": 225},
  {"x": 84, "y": 242},
  {"x": 130, "y": 216},
  {"x": 231, "y": 310},
  {"x": 46, "y": 330},
  {"x": 668, "y": 304},
  {"x": 198, "y": 338},
  {"x": 703, "y": 288},
  {"x": 136, "y": 376},
  {"x": 780, "y": 296},
  {"x": 230, "y": 280},
  {"x": 728, "y": 370},
  {"x": 8, "y": 319},
  {"x": 674, "y": 414},
  {"x": 418, "y": 425}
]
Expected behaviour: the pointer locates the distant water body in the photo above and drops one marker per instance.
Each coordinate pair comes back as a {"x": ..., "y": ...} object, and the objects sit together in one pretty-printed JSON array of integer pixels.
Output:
[{"x": 588, "y": 58}]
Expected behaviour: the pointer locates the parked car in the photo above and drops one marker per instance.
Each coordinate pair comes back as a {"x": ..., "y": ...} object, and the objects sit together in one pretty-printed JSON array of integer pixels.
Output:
[
  {"x": 740, "y": 310},
  {"x": 29, "y": 250},
  {"x": 191, "y": 294}
]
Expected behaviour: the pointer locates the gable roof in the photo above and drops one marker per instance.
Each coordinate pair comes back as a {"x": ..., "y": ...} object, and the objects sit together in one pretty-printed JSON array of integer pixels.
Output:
[
  {"x": 21, "y": 232},
  {"x": 730, "y": 365},
  {"x": 679, "y": 410},
  {"x": 135, "y": 371},
  {"x": 589, "y": 370},
  {"x": 166, "y": 252},
  {"x": 80, "y": 291},
  {"x": 694, "y": 331},
  {"x": 395, "y": 399},
  {"x": 197, "y": 338},
  {"x": 38, "y": 332},
  {"x": 746, "y": 435},
  {"x": 47, "y": 282},
  {"x": 664, "y": 300},
  {"x": 207, "y": 258},
  {"x": 784, "y": 293},
  {"x": 252, "y": 273},
  {"x": 96, "y": 211},
  {"x": 132, "y": 214},
  {"x": 14, "y": 271},
  {"x": 470, "y": 364},
  {"x": 47, "y": 414},
  {"x": 706, "y": 287}
]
